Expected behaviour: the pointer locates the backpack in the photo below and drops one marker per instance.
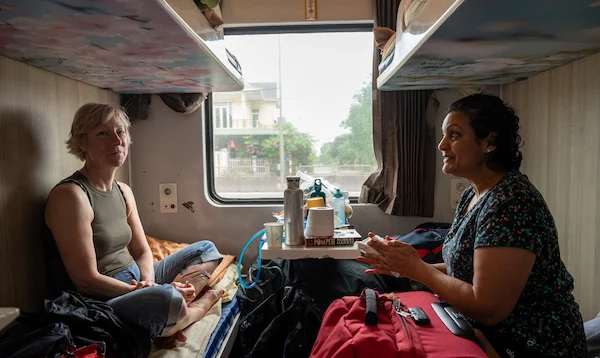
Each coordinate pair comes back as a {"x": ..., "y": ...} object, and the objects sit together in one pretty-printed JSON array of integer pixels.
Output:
[
  {"x": 278, "y": 319},
  {"x": 285, "y": 325},
  {"x": 270, "y": 281},
  {"x": 428, "y": 240},
  {"x": 359, "y": 327}
]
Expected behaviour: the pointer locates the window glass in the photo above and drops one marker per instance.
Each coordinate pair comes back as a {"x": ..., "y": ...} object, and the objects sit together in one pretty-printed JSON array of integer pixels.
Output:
[{"x": 310, "y": 92}]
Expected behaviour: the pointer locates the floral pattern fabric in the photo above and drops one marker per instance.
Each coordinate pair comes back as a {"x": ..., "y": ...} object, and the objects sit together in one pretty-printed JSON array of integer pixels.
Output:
[
  {"x": 546, "y": 319},
  {"x": 127, "y": 46}
]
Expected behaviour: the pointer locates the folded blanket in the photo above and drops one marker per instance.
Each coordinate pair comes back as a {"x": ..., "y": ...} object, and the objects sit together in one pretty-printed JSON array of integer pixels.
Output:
[
  {"x": 220, "y": 271},
  {"x": 228, "y": 283}
]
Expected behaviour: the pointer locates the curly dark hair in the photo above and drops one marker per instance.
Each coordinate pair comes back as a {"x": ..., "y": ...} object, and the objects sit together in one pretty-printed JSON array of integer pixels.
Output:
[{"x": 488, "y": 114}]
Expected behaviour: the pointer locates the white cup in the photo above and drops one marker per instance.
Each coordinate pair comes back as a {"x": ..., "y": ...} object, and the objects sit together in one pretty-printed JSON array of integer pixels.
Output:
[{"x": 274, "y": 231}]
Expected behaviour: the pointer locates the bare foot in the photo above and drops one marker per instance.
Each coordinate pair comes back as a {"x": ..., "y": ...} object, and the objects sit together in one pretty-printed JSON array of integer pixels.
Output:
[
  {"x": 189, "y": 314},
  {"x": 170, "y": 342},
  {"x": 205, "y": 302}
]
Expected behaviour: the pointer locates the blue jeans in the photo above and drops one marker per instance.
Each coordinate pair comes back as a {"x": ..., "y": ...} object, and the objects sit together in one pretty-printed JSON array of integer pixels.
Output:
[{"x": 157, "y": 308}]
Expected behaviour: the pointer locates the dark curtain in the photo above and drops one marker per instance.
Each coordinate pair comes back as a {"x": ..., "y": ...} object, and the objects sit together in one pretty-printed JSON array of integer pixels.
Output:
[
  {"x": 403, "y": 140},
  {"x": 137, "y": 105},
  {"x": 186, "y": 103}
]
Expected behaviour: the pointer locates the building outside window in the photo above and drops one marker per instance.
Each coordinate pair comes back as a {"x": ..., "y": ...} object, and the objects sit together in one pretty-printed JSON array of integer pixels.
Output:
[
  {"x": 313, "y": 90},
  {"x": 222, "y": 115},
  {"x": 255, "y": 112}
]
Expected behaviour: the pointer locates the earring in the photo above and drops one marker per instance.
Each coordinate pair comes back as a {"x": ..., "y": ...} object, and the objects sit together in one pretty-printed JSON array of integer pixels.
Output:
[{"x": 488, "y": 150}]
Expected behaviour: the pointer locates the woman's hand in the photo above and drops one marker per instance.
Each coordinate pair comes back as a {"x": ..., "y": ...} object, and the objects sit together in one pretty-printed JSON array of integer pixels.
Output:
[
  {"x": 394, "y": 256},
  {"x": 187, "y": 290},
  {"x": 142, "y": 284}
]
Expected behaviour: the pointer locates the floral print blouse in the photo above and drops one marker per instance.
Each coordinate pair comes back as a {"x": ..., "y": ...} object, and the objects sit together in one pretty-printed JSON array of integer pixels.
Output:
[{"x": 546, "y": 319}]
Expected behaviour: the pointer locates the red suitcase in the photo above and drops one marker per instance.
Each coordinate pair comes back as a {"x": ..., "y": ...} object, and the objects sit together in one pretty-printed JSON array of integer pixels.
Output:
[{"x": 343, "y": 332}]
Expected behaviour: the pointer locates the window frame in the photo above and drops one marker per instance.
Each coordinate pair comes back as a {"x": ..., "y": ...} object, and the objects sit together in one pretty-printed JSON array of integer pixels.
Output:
[
  {"x": 255, "y": 121},
  {"x": 359, "y": 26},
  {"x": 226, "y": 120}
]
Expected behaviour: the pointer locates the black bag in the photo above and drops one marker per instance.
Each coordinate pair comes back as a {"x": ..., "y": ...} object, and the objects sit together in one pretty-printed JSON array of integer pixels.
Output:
[
  {"x": 285, "y": 324},
  {"x": 278, "y": 320},
  {"x": 47, "y": 340},
  {"x": 299, "y": 343},
  {"x": 72, "y": 320},
  {"x": 270, "y": 281}
]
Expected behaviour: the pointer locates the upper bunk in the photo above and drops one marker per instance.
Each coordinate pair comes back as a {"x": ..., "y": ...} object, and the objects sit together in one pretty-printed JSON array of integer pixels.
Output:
[
  {"x": 472, "y": 43},
  {"x": 127, "y": 46}
]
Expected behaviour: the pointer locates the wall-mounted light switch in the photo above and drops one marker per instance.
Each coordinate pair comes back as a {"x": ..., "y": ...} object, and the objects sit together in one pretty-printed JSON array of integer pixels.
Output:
[{"x": 168, "y": 197}]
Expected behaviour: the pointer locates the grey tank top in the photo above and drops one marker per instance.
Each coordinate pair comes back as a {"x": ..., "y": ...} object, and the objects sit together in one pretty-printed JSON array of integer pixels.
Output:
[{"x": 111, "y": 232}]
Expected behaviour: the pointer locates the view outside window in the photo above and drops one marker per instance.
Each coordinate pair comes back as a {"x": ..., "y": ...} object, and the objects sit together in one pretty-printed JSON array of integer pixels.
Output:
[{"x": 306, "y": 107}]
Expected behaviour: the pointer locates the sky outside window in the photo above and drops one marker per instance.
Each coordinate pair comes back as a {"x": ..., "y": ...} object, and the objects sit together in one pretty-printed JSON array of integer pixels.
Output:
[{"x": 320, "y": 77}]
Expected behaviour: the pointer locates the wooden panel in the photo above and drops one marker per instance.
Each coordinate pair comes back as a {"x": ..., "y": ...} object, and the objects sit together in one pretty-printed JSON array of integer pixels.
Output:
[
  {"x": 243, "y": 12},
  {"x": 560, "y": 118},
  {"x": 36, "y": 110}
]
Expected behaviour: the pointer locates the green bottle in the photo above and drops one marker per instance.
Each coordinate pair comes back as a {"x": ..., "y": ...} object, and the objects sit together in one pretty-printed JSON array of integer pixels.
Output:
[{"x": 316, "y": 193}]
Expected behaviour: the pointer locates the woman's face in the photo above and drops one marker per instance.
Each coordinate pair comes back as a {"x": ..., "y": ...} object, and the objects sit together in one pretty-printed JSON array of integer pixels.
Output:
[
  {"x": 464, "y": 155},
  {"x": 107, "y": 144}
]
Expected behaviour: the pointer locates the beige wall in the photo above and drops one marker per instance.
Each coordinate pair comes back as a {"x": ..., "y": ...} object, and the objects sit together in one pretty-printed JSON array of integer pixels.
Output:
[
  {"x": 268, "y": 113},
  {"x": 560, "y": 118},
  {"x": 36, "y": 109},
  {"x": 236, "y": 12}
]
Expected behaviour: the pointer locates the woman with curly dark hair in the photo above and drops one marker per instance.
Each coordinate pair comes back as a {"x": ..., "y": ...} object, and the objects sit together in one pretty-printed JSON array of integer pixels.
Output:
[{"x": 502, "y": 267}]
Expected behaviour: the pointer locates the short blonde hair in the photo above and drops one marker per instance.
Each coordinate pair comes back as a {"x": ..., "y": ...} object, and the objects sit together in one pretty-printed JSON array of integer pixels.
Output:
[{"x": 90, "y": 116}]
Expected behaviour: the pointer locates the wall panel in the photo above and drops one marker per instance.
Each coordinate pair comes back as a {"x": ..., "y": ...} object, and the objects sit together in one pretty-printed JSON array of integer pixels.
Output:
[
  {"x": 36, "y": 110},
  {"x": 560, "y": 118}
]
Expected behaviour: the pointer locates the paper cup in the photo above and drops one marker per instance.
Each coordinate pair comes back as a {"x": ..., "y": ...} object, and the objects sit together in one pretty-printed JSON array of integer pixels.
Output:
[{"x": 274, "y": 233}]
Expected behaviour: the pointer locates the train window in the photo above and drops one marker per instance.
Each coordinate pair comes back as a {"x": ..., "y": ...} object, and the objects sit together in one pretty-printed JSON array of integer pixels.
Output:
[{"x": 306, "y": 107}]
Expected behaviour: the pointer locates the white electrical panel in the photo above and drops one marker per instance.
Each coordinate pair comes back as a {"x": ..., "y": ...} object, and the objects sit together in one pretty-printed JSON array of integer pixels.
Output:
[
  {"x": 456, "y": 190},
  {"x": 168, "y": 197}
]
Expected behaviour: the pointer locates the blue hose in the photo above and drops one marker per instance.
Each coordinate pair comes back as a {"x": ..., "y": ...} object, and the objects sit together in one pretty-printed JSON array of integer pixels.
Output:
[{"x": 259, "y": 260}]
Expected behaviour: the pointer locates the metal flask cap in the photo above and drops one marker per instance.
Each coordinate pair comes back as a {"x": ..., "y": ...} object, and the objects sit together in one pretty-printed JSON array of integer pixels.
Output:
[{"x": 293, "y": 182}]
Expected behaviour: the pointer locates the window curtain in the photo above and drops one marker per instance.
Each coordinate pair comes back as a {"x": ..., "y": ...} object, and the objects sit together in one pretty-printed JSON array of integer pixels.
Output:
[
  {"x": 137, "y": 105},
  {"x": 403, "y": 140}
]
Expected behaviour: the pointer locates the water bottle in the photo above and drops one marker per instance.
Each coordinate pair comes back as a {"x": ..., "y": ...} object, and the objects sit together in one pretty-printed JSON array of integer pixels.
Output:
[
  {"x": 317, "y": 193},
  {"x": 292, "y": 211},
  {"x": 339, "y": 205}
]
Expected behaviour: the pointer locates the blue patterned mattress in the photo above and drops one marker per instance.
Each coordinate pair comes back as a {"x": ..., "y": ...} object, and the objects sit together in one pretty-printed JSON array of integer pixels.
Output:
[{"x": 228, "y": 313}]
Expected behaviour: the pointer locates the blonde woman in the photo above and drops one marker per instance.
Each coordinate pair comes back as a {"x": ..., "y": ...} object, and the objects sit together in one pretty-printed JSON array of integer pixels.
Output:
[{"x": 102, "y": 250}]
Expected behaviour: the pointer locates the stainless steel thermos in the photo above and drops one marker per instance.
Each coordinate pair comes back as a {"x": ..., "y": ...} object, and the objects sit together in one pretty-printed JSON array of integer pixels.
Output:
[{"x": 292, "y": 211}]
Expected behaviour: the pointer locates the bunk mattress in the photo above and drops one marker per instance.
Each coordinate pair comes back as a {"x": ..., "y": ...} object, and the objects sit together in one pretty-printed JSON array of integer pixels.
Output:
[{"x": 225, "y": 324}]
